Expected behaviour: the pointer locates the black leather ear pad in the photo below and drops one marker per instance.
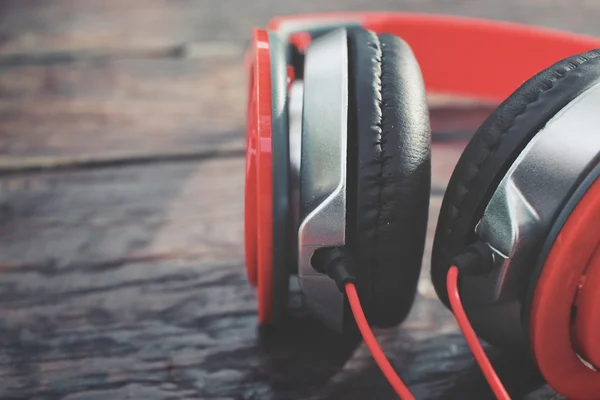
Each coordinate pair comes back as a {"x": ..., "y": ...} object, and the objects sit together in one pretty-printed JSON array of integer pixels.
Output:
[
  {"x": 389, "y": 171},
  {"x": 495, "y": 146}
]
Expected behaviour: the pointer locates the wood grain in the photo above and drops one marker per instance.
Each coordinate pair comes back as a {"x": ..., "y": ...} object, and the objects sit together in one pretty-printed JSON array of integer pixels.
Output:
[
  {"x": 121, "y": 106},
  {"x": 111, "y": 213}
]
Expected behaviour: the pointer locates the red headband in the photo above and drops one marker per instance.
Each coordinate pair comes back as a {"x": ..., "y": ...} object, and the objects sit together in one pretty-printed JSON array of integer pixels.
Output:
[{"x": 465, "y": 56}]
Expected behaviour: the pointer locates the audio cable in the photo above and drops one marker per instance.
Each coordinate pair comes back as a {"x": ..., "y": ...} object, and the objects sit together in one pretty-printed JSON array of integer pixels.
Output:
[{"x": 475, "y": 260}]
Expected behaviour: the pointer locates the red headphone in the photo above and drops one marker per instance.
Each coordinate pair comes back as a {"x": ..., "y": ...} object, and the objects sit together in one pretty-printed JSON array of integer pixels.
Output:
[{"x": 338, "y": 177}]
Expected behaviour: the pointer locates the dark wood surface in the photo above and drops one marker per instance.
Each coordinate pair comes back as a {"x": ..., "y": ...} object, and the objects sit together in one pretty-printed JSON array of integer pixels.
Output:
[{"x": 121, "y": 209}]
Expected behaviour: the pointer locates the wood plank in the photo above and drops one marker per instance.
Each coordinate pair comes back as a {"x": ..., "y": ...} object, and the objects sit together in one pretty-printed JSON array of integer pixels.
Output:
[
  {"x": 122, "y": 106},
  {"x": 58, "y": 26},
  {"x": 124, "y": 282},
  {"x": 108, "y": 214}
]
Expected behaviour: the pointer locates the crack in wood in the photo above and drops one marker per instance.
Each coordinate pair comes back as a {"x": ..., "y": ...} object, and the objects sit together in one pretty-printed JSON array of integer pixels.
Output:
[
  {"x": 188, "y": 50},
  {"x": 21, "y": 165}
]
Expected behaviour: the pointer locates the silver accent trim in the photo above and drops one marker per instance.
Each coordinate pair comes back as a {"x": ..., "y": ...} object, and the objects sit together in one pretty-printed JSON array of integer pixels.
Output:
[
  {"x": 296, "y": 95},
  {"x": 323, "y": 170},
  {"x": 522, "y": 210}
]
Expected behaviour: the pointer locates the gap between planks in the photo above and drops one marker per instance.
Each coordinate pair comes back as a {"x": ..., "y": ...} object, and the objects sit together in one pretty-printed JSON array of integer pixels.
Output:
[
  {"x": 19, "y": 165},
  {"x": 191, "y": 50}
]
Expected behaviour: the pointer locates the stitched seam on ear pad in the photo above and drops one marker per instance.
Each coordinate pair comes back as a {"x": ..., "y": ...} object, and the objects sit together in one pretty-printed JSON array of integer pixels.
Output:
[
  {"x": 388, "y": 210},
  {"x": 376, "y": 45},
  {"x": 491, "y": 148}
]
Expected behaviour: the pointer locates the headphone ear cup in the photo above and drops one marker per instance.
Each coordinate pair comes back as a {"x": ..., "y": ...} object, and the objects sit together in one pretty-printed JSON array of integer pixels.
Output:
[
  {"x": 493, "y": 149},
  {"x": 389, "y": 173}
]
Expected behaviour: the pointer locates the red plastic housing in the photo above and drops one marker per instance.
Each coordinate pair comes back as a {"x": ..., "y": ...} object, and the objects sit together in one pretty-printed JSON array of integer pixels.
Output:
[
  {"x": 573, "y": 255},
  {"x": 587, "y": 321},
  {"x": 258, "y": 202}
]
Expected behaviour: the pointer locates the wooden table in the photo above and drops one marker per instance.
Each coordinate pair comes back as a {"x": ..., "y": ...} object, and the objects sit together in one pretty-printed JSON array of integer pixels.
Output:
[{"x": 121, "y": 194}]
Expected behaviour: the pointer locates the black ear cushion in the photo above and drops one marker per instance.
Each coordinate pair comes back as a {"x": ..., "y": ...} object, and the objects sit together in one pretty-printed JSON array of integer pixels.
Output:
[
  {"x": 495, "y": 146},
  {"x": 389, "y": 162}
]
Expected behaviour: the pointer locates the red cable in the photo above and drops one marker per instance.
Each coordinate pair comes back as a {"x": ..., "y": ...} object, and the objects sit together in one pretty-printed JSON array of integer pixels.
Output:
[
  {"x": 463, "y": 322},
  {"x": 471, "y": 337},
  {"x": 380, "y": 358}
]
